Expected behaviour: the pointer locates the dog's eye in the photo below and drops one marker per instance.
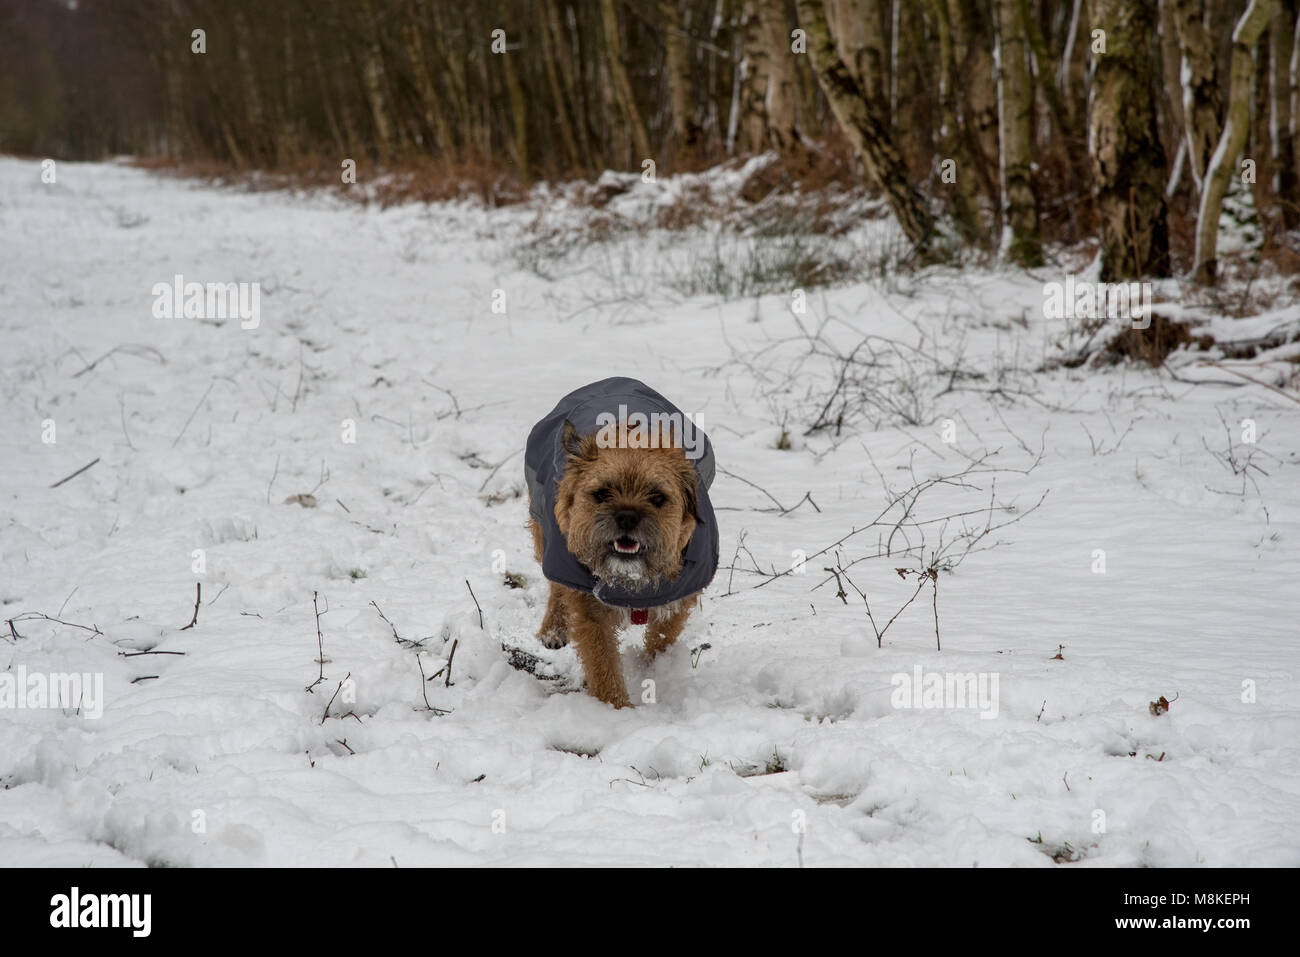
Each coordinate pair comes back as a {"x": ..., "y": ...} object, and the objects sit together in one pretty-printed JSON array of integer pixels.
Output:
[
  {"x": 657, "y": 499},
  {"x": 601, "y": 495}
]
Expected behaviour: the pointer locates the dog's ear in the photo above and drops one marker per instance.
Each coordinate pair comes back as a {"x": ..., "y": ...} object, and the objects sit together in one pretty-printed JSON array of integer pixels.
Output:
[
  {"x": 691, "y": 491},
  {"x": 572, "y": 441}
]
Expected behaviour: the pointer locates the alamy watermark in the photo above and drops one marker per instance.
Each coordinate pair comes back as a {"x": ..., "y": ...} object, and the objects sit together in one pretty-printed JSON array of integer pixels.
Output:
[
  {"x": 37, "y": 690},
  {"x": 650, "y": 430},
  {"x": 179, "y": 299},
  {"x": 1093, "y": 300},
  {"x": 946, "y": 690},
  {"x": 130, "y": 911}
]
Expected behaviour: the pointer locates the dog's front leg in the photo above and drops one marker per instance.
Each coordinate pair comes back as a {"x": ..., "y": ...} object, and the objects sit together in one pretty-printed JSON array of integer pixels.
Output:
[
  {"x": 593, "y": 631},
  {"x": 662, "y": 632},
  {"x": 554, "y": 632}
]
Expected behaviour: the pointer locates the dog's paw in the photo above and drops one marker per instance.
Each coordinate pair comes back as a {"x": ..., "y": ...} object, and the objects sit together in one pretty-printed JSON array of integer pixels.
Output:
[{"x": 553, "y": 639}]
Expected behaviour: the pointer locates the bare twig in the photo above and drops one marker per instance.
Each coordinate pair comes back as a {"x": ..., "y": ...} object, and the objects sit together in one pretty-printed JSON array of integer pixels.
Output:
[
  {"x": 1242, "y": 375},
  {"x": 130, "y": 349},
  {"x": 423, "y": 692},
  {"x": 498, "y": 466},
  {"x": 324, "y": 477},
  {"x": 320, "y": 645},
  {"x": 36, "y": 615},
  {"x": 74, "y": 474},
  {"x": 333, "y": 696},
  {"x": 197, "y": 406},
  {"x": 522, "y": 660},
  {"x": 455, "y": 643},
  {"x": 398, "y": 638},
  {"x": 272, "y": 482},
  {"x": 934, "y": 579},
  {"x": 198, "y": 595},
  {"x": 807, "y": 496},
  {"x": 121, "y": 399},
  {"x": 476, "y": 605}
]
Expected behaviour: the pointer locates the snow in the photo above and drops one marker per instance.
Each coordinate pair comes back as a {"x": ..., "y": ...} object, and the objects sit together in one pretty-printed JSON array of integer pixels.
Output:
[{"x": 779, "y": 744}]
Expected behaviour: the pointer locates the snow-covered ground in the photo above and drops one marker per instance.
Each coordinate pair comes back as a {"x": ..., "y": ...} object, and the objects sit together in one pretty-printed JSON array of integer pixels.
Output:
[{"x": 778, "y": 744}]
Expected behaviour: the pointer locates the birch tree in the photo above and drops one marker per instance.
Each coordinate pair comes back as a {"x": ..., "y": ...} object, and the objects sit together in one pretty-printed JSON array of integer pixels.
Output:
[
  {"x": 1236, "y": 125},
  {"x": 864, "y": 121},
  {"x": 1201, "y": 105},
  {"x": 1282, "y": 34},
  {"x": 1021, "y": 242},
  {"x": 623, "y": 93},
  {"x": 1128, "y": 163},
  {"x": 677, "y": 66}
]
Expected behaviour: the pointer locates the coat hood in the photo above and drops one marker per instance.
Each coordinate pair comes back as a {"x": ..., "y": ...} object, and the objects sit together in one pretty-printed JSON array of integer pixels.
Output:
[{"x": 589, "y": 408}]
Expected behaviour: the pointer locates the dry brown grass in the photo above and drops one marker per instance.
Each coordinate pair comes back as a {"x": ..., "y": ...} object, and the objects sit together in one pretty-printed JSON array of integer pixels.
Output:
[
  {"x": 422, "y": 180},
  {"x": 1153, "y": 344}
]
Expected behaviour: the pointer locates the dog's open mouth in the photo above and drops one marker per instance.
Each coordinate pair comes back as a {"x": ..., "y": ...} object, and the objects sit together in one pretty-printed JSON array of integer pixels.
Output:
[{"x": 626, "y": 546}]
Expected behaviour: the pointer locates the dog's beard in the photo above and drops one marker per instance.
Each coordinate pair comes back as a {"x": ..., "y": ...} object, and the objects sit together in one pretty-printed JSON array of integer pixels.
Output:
[{"x": 634, "y": 559}]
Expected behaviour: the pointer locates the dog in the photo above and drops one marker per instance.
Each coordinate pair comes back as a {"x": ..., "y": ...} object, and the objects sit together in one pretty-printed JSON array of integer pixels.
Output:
[{"x": 622, "y": 525}]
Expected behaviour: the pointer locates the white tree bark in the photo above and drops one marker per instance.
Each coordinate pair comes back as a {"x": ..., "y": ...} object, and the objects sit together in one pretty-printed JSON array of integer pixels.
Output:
[{"x": 1222, "y": 164}]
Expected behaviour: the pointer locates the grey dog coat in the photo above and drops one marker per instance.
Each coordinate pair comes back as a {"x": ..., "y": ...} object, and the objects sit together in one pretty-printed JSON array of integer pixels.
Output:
[{"x": 544, "y": 462}]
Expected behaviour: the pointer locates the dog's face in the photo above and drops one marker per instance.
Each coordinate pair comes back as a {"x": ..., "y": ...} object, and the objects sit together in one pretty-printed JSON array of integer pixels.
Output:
[{"x": 627, "y": 510}]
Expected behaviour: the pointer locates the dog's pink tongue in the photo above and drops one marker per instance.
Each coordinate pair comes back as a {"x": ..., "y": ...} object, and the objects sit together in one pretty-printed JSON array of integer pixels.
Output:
[{"x": 640, "y": 616}]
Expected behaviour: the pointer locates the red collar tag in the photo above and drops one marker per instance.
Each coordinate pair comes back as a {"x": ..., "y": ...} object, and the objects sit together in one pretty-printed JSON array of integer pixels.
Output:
[{"x": 640, "y": 616}]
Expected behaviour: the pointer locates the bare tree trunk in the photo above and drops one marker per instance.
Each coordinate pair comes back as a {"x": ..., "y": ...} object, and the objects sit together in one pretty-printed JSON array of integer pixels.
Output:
[
  {"x": 1201, "y": 105},
  {"x": 738, "y": 78},
  {"x": 895, "y": 28},
  {"x": 435, "y": 120},
  {"x": 175, "y": 115},
  {"x": 863, "y": 120},
  {"x": 622, "y": 85},
  {"x": 518, "y": 115},
  {"x": 972, "y": 48},
  {"x": 712, "y": 122},
  {"x": 1286, "y": 183},
  {"x": 1259, "y": 141},
  {"x": 255, "y": 115},
  {"x": 960, "y": 192},
  {"x": 1295, "y": 98},
  {"x": 562, "y": 105},
  {"x": 563, "y": 63},
  {"x": 1058, "y": 109},
  {"x": 372, "y": 78},
  {"x": 1065, "y": 70},
  {"x": 858, "y": 28},
  {"x": 1124, "y": 143},
  {"x": 484, "y": 120},
  {"x": 751, "y": 117},
  {"x": 289, "y": 108},
  {"x": 326, "y": 96},
  {"x": 779, "y": 100},
  {"x": 1021, "y": 242},
  {"x": 1222, "y": 162},
  {"x": 1171, "y": 74},
  {"x": 685, "y": 128},
  {"x": 454, "y": 72}
]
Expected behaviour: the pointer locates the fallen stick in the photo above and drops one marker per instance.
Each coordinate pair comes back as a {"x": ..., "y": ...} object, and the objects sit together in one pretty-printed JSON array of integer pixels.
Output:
[
  {"x": 198, "y": 594},
  {"x": 476, "y": 605},
  {"x": 73, "y": 475}
]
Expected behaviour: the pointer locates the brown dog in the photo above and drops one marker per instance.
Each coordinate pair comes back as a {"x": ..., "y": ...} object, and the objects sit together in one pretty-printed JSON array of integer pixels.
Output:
[{"x": 627, "y": 510}]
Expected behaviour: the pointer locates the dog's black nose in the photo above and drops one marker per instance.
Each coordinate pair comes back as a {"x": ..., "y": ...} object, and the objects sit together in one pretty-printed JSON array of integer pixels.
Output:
[{"x": 627, "y": 519}]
